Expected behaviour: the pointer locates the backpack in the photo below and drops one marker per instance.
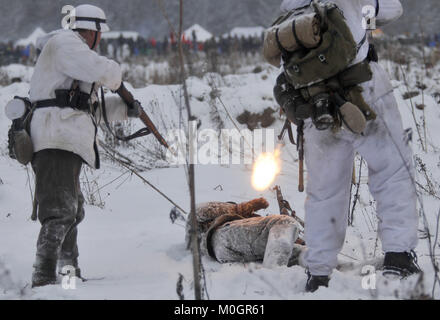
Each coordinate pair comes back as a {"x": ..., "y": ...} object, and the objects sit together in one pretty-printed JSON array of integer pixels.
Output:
[
  {"x": 334, "y": 53},
  {"x": 317, "y": 50}
]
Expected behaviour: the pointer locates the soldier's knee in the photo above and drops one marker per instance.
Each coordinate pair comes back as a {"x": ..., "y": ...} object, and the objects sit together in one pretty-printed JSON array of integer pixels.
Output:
[
  {"x": 80, "y": 215},
  {"x": 60, "y": 206}
]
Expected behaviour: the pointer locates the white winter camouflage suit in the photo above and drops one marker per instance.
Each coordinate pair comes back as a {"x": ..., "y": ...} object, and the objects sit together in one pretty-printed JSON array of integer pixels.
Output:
[
  {"x": 329, "y": 161},
  {"x": 65, "y": 56},
  {"x": 63, "y": 139}
]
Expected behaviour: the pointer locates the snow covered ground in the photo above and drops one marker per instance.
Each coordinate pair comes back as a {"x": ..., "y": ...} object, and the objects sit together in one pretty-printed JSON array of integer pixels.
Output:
[{"x": 130, "y": 248}]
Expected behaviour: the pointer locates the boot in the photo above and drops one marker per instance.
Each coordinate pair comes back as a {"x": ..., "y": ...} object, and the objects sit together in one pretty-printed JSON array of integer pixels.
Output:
[
  {"x": 44, "y": 273},
  {"x": 402, "y": 264},
  {"x": 69, "y": 267},
  {"x": 297, "y": 256},
  {"x": 314, "y": 282}
]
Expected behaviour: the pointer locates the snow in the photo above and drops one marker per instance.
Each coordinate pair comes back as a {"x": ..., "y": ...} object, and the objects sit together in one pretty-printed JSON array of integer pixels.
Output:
[
  {"x": 32, "y": 38},
  {"x": 127, "y": 236},
  {"x": 246, "y": 32},
  {"x": 17, "y": 71},
  {"x": 201, "y": 33}
]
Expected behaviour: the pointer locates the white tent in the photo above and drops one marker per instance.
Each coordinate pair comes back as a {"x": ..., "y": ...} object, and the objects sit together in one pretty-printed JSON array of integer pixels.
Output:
[
  {"x": 32, "y": 38},
  {"x": 201, "y": 34},
  {"x": 246, "y": 32}
]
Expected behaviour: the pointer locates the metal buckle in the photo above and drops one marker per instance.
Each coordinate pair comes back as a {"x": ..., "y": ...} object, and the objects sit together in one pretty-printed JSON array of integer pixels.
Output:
[
  {"x": 71, "y": 95},
  {"x": 322, "y": 58}
]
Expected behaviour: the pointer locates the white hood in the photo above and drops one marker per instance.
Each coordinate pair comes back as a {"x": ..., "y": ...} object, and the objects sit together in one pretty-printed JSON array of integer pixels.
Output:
[{"x": 41, "y": 41}]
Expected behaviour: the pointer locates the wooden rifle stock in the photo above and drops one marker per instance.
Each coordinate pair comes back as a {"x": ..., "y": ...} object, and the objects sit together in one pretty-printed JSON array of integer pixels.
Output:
[
  {"x": 300, "y": 145},
  {"x": 283, "y": 204},
  {"x": 150, "y": 125},
  {"x": 301, "y": 176},
  {"x": 128, "y": 98}
]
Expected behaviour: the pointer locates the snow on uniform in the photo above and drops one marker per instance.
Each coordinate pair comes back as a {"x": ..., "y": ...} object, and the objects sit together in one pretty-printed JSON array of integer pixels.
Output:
[
  {"x": 234, "y": 233},
  {"x": 382, "y": 145},
  {"x": 66, "y": 57}
]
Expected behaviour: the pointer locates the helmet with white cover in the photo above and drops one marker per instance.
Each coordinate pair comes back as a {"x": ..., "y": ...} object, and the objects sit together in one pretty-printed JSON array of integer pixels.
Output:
[{"x": 89, "y": 17}]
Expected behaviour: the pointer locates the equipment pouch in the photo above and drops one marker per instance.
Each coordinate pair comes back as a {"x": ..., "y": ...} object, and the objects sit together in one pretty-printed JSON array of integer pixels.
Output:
[
  {"x": 19, "y": 141},
  {"x": 354, "y": 95},
  {"x": 350, "y": 80},
  {"x": 355, "y": 75}
]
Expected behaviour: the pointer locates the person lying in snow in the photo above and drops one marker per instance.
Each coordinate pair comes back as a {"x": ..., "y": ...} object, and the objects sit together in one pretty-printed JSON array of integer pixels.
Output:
[{"x": 233, "y": 232}]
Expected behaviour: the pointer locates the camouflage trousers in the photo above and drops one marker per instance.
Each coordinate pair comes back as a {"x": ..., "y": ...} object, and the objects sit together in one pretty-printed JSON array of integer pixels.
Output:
[
  {"x": 269, "y": 239},
  {"x": 60, "y": 206}
]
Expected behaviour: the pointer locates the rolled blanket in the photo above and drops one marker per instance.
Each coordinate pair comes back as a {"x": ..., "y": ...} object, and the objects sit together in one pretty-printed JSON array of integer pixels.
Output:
[{"x": 302, "y": 32}]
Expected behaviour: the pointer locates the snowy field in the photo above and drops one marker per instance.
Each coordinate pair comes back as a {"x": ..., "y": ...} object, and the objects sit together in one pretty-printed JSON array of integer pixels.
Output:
[{"x": 130, "y": 248}]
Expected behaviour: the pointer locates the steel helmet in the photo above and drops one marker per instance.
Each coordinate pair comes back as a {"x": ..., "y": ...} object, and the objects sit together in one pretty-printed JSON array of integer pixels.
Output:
[{"x": 89, "y": 17}]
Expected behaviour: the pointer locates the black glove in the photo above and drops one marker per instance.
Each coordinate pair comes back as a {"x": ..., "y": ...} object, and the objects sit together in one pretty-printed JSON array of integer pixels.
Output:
[
  {"x": 134, "y": 109},
  {"x": 291, "y": 101},
  {"x": 289, "y": 109}
]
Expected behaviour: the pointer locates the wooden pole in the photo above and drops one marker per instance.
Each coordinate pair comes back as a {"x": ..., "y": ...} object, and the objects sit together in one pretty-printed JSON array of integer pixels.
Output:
[{"x": 195, "y": 245}]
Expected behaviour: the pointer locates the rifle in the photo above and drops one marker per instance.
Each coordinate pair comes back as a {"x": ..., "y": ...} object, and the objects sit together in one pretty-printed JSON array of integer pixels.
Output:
[
  {"x": 300, "y": 147},
  {"x": 34, "y": 215},
  {"x": 286, "y": 209},
  {"x": 284, "y": 205},
  {"x": 287, "y": 127},
  {"x": 128, "y": 98}
]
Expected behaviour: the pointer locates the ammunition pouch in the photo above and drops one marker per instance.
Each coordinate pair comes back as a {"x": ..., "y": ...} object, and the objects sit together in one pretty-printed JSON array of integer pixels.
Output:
[
  {"x": 317, "y": 101},
  {"x": 355, "y": 75},
  {"x": 67, "y": 99},
  {"x": 349, "y": 80}
]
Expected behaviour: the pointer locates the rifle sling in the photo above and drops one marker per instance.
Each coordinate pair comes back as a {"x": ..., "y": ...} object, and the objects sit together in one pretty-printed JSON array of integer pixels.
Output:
[
  {"x": 140, "y": 133},
  {"x": 287, "y": 126}
]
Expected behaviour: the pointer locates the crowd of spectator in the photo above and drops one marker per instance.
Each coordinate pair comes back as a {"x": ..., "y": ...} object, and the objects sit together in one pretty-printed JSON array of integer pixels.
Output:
[
  {"x": 434, "y": 41},
  {"x": 16, "y": 54},
  {"x": 122, "y": 47}
]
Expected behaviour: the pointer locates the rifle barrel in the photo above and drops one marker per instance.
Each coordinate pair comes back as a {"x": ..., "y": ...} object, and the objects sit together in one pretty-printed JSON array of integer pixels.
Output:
[{"x": 150, "y": 125}]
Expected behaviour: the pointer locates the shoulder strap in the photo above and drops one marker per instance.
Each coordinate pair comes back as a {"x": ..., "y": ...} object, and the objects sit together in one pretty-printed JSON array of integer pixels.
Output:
[{"x": 360, "y": 44}]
